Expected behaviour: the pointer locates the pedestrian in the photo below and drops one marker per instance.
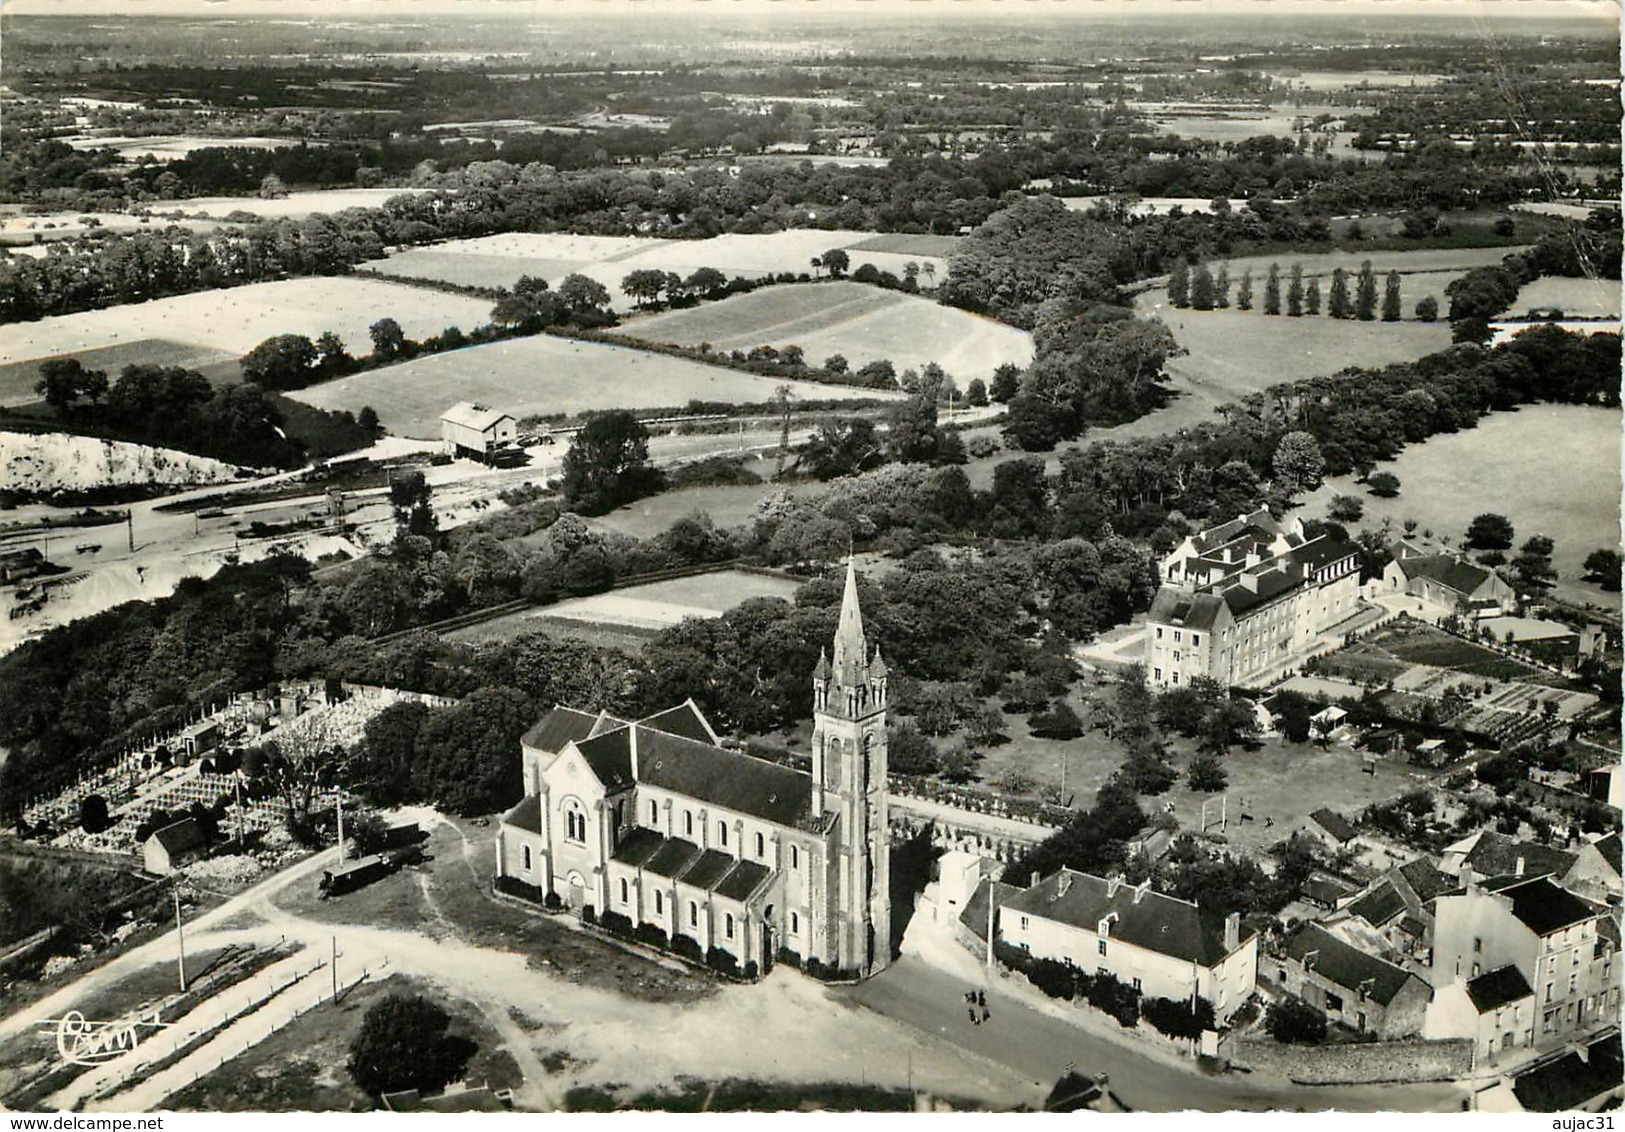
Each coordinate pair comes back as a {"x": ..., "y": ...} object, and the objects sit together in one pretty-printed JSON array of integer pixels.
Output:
[
  {"x": 973, "y": 1017},
  {"x": 986, "y": 1014},
  {"x": 981, "y": 998}
]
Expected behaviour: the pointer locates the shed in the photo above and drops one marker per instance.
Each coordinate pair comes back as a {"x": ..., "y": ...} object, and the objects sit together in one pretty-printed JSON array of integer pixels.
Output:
[
  {"x": 169, "y": 847},
  {"x": 476, "y": 431}
]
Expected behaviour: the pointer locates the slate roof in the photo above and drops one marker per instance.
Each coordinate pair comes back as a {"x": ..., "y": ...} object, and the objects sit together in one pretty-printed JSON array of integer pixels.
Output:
[
  {"x": 1348, "y": 966},
  {"x": 974, "y": 915},
  {"x": 1495, "y": 854},
  {"x": 470, "y": 415},
  {"x": 610, "y": 757},
  {"x": 1176, "y": 607},
  {"x": 1322, "y": 552},
  {"x": 684, "y": 721},
  {"x": 1446, "y": 569},
  {"x": 712, "y": 866},
  {"x": 638, "y": 846},
  {"x": 1610, "y": 850},
  {"x": 673, "y": 858},
  {"x": 1157, "y": 923},
  {"x": 1324, "y": 890},
  {"x": 730, "y": 779},
  {"x": 1231, "y": 529},
  {"x": 1379, "y": 906},
  {"x": 527, "y": 815},
  {"x": 1334, "y": 823},
  {"x": 180, "y": 837},
  {"x": 558, "y": 727},
  {"x": 1544, "y": 906},
  {"x": 1426, "y": 880},
  {"x": 742, "y": 883},
  {"x": 1268, "y": 585},
  {"x": 1494, "y": 989}
]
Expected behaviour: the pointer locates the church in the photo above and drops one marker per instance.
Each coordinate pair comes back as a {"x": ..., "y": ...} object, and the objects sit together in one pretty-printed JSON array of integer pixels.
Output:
[{"x": 655, "y": 820}]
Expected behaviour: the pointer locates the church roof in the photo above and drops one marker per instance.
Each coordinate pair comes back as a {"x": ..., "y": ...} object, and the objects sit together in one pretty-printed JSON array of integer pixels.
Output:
[
  {"x": 638, "y": 846},
  {"x": 527, "y": 815},
  {"x": 559, "y": 727},
  {"x": 673, "y": 858},
  {"x": 742, "y": 883},
  {"x": 684, "y": 720},
  {"x": 730, "y": 779},
  {"x": 851, "y": 652},
  {"x": 610, "y": 757},
  {"x": 712, "y": 866}
]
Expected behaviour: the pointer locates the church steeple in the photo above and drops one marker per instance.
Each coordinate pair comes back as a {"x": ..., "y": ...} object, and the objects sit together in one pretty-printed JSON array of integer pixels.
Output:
[{"x": 850, "y": 651}]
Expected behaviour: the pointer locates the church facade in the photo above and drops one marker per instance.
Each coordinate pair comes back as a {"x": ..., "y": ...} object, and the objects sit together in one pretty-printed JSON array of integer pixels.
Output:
[{"x": 653, "y": 819}]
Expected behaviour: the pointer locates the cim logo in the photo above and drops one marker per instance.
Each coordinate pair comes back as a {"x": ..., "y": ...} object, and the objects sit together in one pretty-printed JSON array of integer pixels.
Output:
[{"x": 82, "y": 1042}]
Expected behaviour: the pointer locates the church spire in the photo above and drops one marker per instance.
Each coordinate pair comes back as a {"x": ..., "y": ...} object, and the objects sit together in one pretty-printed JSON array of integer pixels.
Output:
[{"x": 850, "y": 651}]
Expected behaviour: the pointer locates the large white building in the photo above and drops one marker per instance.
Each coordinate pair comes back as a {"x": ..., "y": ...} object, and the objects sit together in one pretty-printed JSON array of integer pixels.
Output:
[
  {"x": 1242, "y": 602},
  {"x": 653, "y": 820},
  {"x": 475, "y": 431}
]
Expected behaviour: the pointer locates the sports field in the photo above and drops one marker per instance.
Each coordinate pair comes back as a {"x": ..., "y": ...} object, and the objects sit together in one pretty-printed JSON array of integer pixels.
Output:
[
  {"x": 498, "y": 261},
  {"x": 1551, "y": 469},
  {"x": 235, "y": 320},
  {"x": 542, "y": 376},
  {"x": 861, "y": 323}
]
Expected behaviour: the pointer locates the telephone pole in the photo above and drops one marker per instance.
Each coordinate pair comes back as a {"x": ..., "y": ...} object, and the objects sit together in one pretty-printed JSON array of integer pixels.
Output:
[
  {"x": 180, "y": 936},
  {"x": 129, "y": 527}
]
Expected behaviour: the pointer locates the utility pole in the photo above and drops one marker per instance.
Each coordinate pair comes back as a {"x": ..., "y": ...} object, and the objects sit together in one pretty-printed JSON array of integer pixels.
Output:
[
  {"x": 992, "y": 892},
  {"x": 129, "y": 527},
  {"x": 180, "y": 936},
  {"x": 333, "y": 966},
  {"x": 338, "y": 798}
]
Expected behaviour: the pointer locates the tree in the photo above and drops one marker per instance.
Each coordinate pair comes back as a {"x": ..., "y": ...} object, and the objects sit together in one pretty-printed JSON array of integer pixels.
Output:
[
  {"x": 836, "y": 262},
  {"x": 976, "y": 393},
  {"x": 1294, "y": 292},
  {"x": 1392, "y": 310},
  {"x": 1179, "y": 284},
  {"x": 1346, "y": 508},
  {"x": 1006, "y": 381},
  {"x": 645, "y": 285},
  {"x": 1058, "y": 722},
  {"x": 1244, "y": 290},
  {"x": 388, "y": 339},
  {"x": 414, "y": 513},
  {"x": 1293, "y": 1021},
  {"x": 1427, "y": 309},
  {"x": 836, "y": 365},
  {"x": 1202, "y": 292},
  {"x": 1471, "y": 330},
  {"x": 1365, "y": 293},
  {"x": 1338, "y": 305},
  {"x": 1298, "y": 464},
  {"x": 1602, "y": 566},
  {"x": 93, "y": 815},
  {"x": 583, "y": 295},
  {"x": 402, "y": 1044},
  {"x": 1221, "y": 287},
  {"x": 1205, "y": 775},
  {"x": 706, "y": 281},
  {"x": 287, "y": 361},
  {"x": 272, "y": 188},
  {"x": 1311, "y": 303},
  {"x": 1490, "y": 531},
  {"x": 367, "y": 419},
  {"x": 63, "y": 381},
  {"x": 1384, "y": 485},
  {"x": 608, "y": 464},
  {"x": 1272, "y": 290}
]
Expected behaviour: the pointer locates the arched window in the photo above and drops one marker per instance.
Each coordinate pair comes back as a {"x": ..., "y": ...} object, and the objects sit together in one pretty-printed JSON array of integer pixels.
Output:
[
  {"x": 624, "y": 891},
  {"x": 688, "y": 823},
  {"x": 795, "y": 857},
  {"x": 660, "y": 904},
  {"x": 722, "y": 834},
  {"x": 527, "y": 858},
  {"x": 761, "y": 847},
  {"x": 654, "y": 812},
  {"x": 693, "y": 914},
  {"x": 728, "y": 925},
  {"x": 795, "y": 924},
  {"x": 575, "y": 821}
]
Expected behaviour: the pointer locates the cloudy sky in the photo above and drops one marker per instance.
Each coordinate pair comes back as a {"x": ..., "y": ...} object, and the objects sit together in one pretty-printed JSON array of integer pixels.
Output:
[{"x": 396, "y": 9}]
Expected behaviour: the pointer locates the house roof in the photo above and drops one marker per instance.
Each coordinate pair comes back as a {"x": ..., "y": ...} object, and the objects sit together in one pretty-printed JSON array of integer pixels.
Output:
[
  {"x": 1426, "y": 880},
  {"x": 527, "y": 815},
  {"x": 1495, "y": 854},
  {"x": 1176, "y": 607},
  {"x": 1610, "y": 850},
  {"x": 1159, "y": 923},
  {"x": 1449, "y": 571},
  {"x": 1379, "y": 906},
  {"x": 558, "y": 727},
  {"x": 1324, "y": 889},
  {"x": 1321, "y": 552},
  {"x": 1267, "y": 586},
  {"x": 1334, "y": 823},
  {"x": 1542, "y": 905},
  {"x": 179, "y": 837},
  {"x": 1260, "y": 521},
  {"x": 974, "y": 915},
  {"x": 1494, "y": 989},
  {"x": 1347, "y": 966},
  {"x": 469, "y": 415}
]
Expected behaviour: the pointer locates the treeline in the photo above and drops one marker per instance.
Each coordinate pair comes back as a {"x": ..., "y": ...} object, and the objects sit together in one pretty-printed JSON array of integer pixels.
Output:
[{"x": 1583, "y": 251}]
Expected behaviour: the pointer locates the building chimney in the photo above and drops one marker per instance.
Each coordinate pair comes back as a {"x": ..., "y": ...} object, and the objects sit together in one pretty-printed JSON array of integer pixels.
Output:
[
  {"x": 1517, "y": 869},
  {"x": 1141, "y": 889},
  {"x": 633, "y": 744},
  {"x": 1232, "y": 932},
  {"x": 1062, "y": 885},
  {"x": 1113, "y": 883},
  {"x": 1033, "y": 881}
]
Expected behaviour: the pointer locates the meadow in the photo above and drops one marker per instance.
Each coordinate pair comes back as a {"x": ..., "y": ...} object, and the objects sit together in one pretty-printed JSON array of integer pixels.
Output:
[
  {"x": 498, "y": 261},
  {"x": 219, "y": 366},
  {"x": 544, "y": 376},
  {"x": 860, "y": 322},
  {"x": 1577, "y": 298},
  {"x": 235, "y": 320},
  {"x": 1551, "y": 469}
]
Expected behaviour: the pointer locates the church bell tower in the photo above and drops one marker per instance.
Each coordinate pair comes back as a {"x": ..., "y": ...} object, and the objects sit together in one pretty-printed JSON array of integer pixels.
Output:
[{"x": 849, "y": 781}]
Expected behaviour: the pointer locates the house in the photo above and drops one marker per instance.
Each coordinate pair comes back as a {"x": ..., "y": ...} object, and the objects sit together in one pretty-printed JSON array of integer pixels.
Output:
[
  {"x": 1584, "y": 1080},
  {"x": 1331, "y": 828},
  {"x": 1558, "y": 942},
  {"x": 1399, "y": 905},
  {"x": 1582, "y": 868},
  {"x": 1324, "y": 892},
  {"x": 1354, "y": 988},
  {"x": 1607, "y": 785},
  {"x": 1245, "y": 600},
  {"x": 1160, "y": 945},
  {"x": 1450, "y": 582},
  {"x": 19, "y": 566},
  {"x": 168, "y": 848},
  {"x": 654, "y": 822},
  {"x": 475, "y": 431},
  {"x": 1326, "y": 722},
  {"x": 199, "y": 739}
]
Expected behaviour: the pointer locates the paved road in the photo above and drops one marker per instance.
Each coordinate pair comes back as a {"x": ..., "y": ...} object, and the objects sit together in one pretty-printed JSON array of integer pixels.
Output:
[{"x": 1039, "y": 1047}]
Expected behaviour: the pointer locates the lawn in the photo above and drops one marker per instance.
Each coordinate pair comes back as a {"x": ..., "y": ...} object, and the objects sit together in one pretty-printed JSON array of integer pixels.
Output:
[
  {"x": 235, "y": 320},
  {"x": 301, "y": 1067},
  {"x": 219, "y": 366},
  {"x": 1551, "y": 469},
  {"x": 542, "y": 376},
  {"x": 1577, "y": 298},
  {"x": 862, "y": 323}
]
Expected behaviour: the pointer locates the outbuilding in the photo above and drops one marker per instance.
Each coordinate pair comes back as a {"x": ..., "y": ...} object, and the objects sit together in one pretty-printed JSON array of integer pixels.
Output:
[{"x": 476, "y": 431}]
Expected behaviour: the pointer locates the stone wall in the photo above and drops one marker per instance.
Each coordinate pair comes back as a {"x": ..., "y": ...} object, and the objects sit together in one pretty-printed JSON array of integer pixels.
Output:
[{"x": 1357, "y": 1063}]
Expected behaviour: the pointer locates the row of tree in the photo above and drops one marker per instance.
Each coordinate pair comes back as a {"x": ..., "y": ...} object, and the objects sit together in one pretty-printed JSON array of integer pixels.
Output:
[{"x": 1205, "y": 290}]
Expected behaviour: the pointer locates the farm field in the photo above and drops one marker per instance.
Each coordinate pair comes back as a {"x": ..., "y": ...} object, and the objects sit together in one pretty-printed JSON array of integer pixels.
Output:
[
  {"x": 1405, "y": 262},
  {"x": 542, "y": 376},
  {"x": 219, "y": 366},
  {"x": 294, "y": 205},
  {"x": 235, "y": 320},
  {"x": 173, "y": 147},
  {"x": 1577, "y": 298},
  {"x": 1551, "y": 469},
  {"x": 728, "y": 505},
  {"x": 498, "y": 261},
  {"x": 862, "y": 323}
]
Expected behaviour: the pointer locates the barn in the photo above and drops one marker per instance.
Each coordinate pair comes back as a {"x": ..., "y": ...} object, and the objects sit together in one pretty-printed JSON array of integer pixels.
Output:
[{"x": 475, "y": 431}]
